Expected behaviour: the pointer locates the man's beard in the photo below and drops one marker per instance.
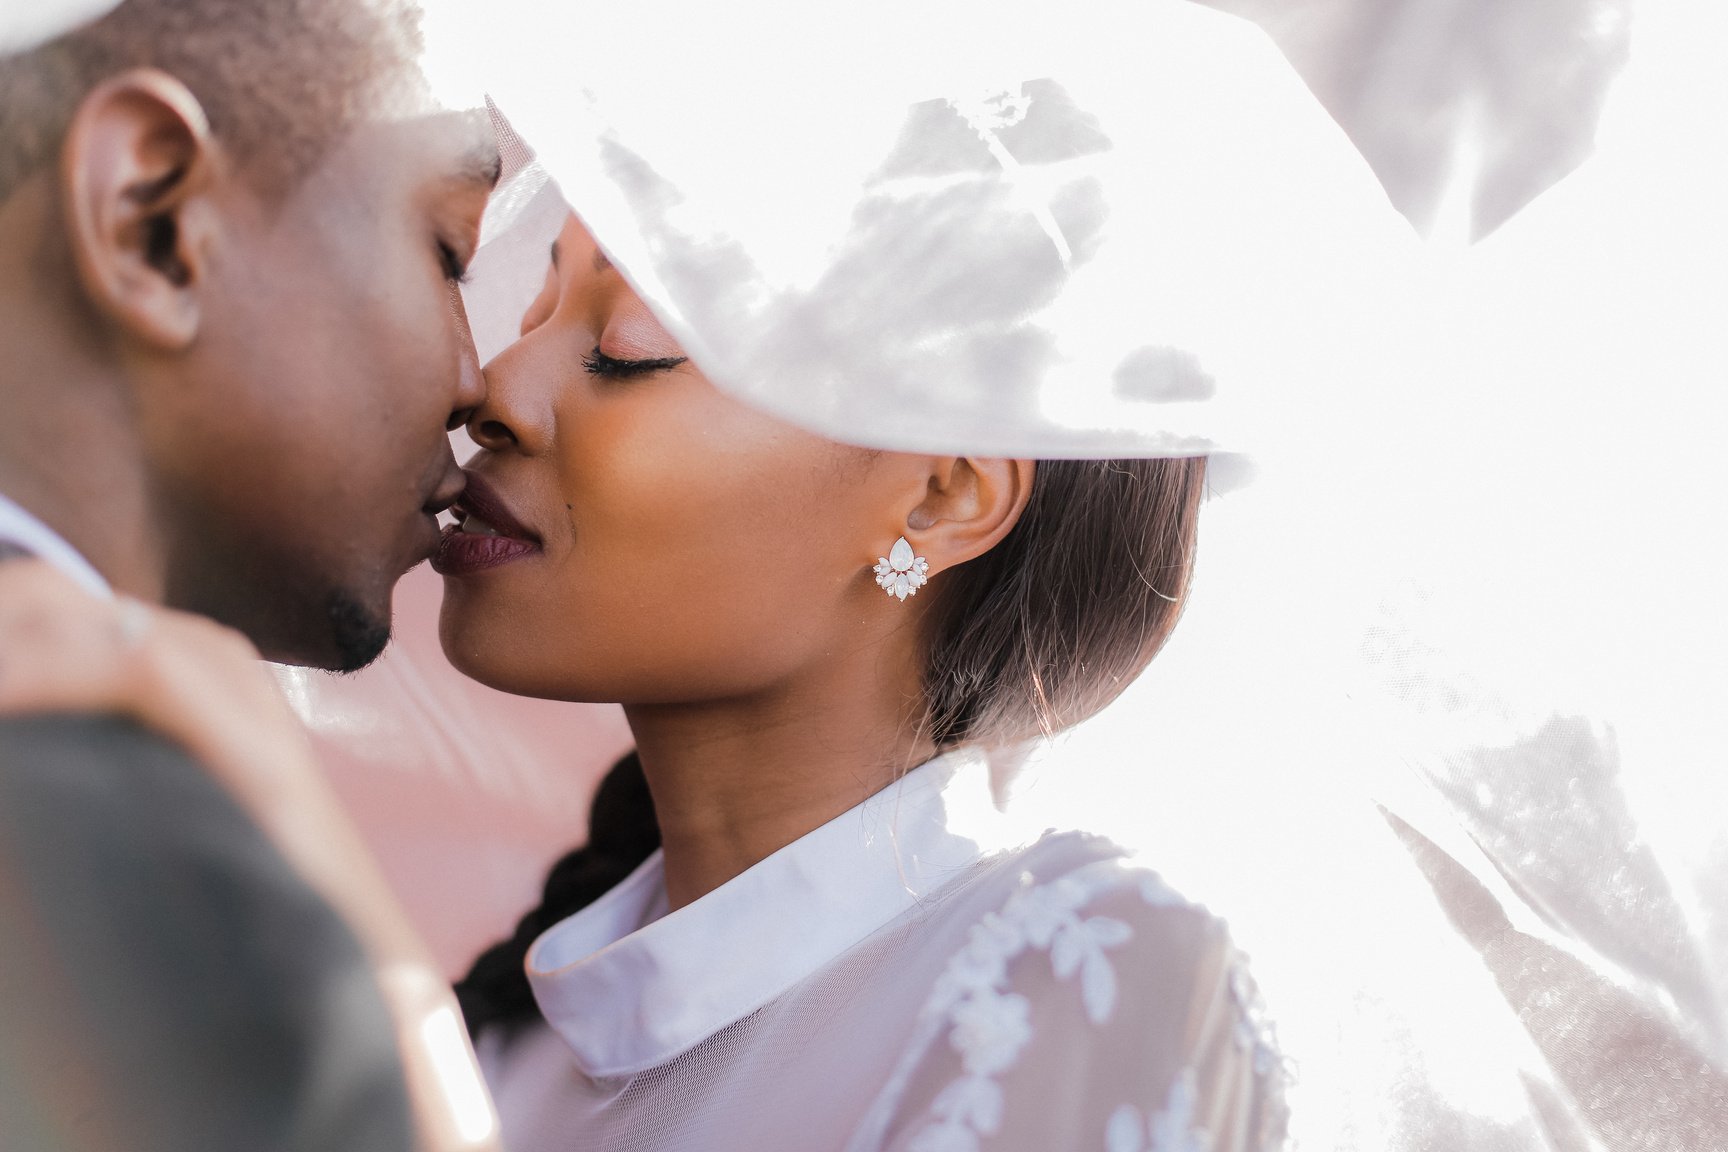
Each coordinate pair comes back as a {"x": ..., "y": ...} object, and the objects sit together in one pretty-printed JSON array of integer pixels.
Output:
[{"x": 358, "y": 636}]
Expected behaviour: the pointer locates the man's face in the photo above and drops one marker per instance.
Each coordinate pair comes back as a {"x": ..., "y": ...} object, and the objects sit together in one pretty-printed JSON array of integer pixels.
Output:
[{"x": 308, "y": 457}]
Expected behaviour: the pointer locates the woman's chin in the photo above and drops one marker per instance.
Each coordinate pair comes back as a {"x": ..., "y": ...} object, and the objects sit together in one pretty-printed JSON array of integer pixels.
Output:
[
  {"x": 472, "y": 649},
  {"x": 502, "y": 660},
  {"x": 486, "y": 666}
]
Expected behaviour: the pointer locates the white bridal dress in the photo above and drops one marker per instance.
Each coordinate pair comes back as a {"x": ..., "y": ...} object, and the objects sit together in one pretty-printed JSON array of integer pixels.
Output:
[{"x": 919, "y": 974}]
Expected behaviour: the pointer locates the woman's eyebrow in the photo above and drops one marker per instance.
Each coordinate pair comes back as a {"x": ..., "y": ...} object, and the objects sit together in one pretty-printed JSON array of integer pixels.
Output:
[{"x": 554, "y": 254}]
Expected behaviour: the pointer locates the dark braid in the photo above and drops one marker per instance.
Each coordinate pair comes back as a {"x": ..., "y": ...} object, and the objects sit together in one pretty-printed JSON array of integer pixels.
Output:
[{"x": 622, "y": 833}]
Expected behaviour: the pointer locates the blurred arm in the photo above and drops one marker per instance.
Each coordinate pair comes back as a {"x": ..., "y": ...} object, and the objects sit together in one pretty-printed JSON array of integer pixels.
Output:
[{"x": 166, "y": 980}]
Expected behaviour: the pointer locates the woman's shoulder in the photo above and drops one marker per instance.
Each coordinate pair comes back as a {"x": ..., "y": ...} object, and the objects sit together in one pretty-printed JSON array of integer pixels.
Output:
[
  {"x": 1076, "y": 916},
  {"x": 1084, "y": 977}
]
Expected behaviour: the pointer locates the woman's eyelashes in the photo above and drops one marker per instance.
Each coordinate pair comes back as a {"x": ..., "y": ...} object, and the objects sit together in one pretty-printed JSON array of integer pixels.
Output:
[{"x": 599, "y": 364}]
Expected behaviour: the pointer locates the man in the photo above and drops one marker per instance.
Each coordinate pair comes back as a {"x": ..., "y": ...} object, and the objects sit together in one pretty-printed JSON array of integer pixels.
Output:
[{"x": 230, "y": 347}]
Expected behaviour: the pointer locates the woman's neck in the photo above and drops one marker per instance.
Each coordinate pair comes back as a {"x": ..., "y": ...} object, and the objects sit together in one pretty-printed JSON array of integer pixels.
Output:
[{"x": 735, "y": 781}]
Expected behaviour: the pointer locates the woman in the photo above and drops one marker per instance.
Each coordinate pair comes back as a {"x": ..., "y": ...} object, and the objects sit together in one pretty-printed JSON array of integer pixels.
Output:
[{"x": 836, "y": 907}]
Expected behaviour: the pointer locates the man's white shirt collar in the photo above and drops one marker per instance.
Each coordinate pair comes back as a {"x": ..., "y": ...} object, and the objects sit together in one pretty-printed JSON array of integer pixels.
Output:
[
  {"x": 21, "y": 528},
  {"x": 629, "y": 985}
]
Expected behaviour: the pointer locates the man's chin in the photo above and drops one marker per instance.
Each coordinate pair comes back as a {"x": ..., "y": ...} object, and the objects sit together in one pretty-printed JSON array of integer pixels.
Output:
[
  {"x": 294, "y": 615},
  {"x": 345, "y": 638},
  {"x": 358, "y": 634}
]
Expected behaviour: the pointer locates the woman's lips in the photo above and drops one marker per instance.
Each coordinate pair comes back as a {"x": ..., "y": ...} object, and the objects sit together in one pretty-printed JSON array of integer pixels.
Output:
[
  {"x": 460, "y": 552},
  {"x": 485, "y": 535}
]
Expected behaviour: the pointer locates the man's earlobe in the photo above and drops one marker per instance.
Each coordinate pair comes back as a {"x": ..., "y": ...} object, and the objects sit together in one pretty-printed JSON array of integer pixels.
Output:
[{"x": 137, "y": 167}]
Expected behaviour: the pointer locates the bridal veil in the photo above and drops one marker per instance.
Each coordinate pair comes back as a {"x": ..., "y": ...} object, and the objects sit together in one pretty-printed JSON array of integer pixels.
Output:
[
  {"x": 1437, "y": 285},
  {"x": 1440, "y": 733}
]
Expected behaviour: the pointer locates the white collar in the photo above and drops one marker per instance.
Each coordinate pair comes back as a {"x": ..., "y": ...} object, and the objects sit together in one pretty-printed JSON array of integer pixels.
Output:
[
  {"x": 21, "y": 528},
  {"x": 629, "y": 985}
]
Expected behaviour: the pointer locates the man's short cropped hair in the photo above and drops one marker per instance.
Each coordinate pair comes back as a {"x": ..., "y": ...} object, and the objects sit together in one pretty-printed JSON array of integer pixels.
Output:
[{"x": 280, "y": 80}]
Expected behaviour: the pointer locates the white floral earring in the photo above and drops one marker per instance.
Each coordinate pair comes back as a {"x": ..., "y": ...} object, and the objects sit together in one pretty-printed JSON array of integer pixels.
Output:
[{"x": 900, "y": 573}]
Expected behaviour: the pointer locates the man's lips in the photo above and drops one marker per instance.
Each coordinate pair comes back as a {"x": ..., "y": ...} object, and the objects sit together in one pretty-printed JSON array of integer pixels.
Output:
[
  {"x": 486, "y": 533},
  {"x": 447, "y": 492}
]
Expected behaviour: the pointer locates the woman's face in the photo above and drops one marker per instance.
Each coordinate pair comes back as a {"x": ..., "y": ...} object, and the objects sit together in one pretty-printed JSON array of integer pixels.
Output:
[{"x": 668, "y": 543}]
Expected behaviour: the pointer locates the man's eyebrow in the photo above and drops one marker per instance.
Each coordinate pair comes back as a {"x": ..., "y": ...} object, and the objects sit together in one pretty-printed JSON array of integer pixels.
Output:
[
  {"x": 473, "y": 156},
  {"x": 481, "y": 164}
]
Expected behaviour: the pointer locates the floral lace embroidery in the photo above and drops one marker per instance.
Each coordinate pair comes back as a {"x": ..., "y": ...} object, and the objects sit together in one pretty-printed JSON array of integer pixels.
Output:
[
  {"x": 1172, "y": 1130},
  {"x": 989, "y": 1026}
]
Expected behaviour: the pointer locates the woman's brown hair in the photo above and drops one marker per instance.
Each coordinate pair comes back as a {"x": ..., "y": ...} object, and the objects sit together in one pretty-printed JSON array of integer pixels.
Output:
[{"x": 1050, "y": 625}]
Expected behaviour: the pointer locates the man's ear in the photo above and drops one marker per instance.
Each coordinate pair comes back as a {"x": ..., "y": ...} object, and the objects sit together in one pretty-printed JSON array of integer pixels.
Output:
[
  {"x": 969, "y": 504},
  {"x": 137, "y": 167}
]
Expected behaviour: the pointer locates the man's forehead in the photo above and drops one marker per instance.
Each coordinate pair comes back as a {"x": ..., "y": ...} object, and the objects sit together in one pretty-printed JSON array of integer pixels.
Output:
[{"x": 460, "y": 146}]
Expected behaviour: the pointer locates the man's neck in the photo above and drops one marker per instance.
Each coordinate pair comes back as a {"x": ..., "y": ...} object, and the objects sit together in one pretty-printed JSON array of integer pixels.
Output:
[
  {"x": 71, "y": 453},
  {"x": 70, "y": 457},
  {"x": 24, "y": 534},
  {"x": 82, "y": 512}
]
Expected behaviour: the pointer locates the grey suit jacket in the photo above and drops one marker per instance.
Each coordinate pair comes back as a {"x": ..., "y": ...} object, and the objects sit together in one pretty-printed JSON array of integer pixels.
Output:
[{"x": 167, "y": 983}]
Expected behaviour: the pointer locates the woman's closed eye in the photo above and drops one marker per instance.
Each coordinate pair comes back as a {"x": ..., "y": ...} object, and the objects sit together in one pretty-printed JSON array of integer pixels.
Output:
[{"x": 600, "y": 364}]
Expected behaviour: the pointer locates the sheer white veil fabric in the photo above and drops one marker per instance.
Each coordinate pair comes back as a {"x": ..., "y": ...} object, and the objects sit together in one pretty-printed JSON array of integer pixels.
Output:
[
  {"x": 1441, "y": 731},
  {"x": 973, "y": 228},
  {"x": 23, "y": 26}
]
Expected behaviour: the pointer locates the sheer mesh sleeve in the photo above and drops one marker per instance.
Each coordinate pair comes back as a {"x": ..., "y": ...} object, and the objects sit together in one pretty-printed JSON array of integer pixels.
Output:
[{"x": 1096, "y": 1011}]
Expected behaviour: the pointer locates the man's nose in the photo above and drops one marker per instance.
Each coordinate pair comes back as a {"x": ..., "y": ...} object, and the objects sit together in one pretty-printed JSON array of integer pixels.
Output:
[{"x": 470, "y": 381}]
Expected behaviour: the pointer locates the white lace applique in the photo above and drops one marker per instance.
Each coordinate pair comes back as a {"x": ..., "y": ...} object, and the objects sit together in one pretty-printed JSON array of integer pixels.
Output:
[
  {"x": 1172, "y": 1130},
  {"x": 989, "y": 1026}
]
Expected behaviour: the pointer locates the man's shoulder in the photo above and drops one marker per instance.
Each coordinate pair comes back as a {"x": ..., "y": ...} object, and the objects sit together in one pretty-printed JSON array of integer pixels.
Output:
[
  {"x": 66, "y": 775},
  {"x": 47, "y": 746},
  {"x": 156, "y": 946},
  {"x": 74, "y": 728}
]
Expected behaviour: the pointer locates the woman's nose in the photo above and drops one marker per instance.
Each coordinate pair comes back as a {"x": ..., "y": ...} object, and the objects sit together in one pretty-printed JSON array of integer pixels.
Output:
[
  {"x": 488, "y": 431},
  {"x": 516, "y": 412}
]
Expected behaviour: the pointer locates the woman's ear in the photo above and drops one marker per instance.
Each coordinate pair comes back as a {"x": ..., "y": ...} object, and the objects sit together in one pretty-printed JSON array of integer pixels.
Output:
[
  {"x": 137, "y": 168},
  {"x": 969, "y": 504}
]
